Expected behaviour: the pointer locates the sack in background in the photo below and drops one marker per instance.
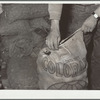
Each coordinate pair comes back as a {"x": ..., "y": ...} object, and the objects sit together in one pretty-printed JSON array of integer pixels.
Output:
[
  {"x": 24, "y": 11},
  {"x": 65, "y": 68}
]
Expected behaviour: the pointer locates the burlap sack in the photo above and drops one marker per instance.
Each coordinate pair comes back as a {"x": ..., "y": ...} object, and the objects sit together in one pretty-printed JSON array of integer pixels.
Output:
[
  {"x": 65, "y": 68},
  {"x": 24, "y": 11}
]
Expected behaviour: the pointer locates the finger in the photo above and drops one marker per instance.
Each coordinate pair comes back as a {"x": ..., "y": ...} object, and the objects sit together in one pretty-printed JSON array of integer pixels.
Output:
[
  {"x": 48, "y": 43},
  {"x": 45, "y": 41},
  {"x": 56, "y": 44},
  {"x": 85, "y": 29},
  {"x": 88, "y": 29},
  {"x": 82, "y": 28},
  {"x": 58, "y": 40},
  {"x": 51, "y": 45},
  {"x": 91, "y": 29}
]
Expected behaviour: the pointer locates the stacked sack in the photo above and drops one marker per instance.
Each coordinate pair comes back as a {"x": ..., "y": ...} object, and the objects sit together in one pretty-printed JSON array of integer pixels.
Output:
[{"x": 23, "y": 28}]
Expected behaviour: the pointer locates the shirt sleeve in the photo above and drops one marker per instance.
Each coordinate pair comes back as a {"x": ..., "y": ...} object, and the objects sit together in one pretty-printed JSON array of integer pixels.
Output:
[
  {"x": 1, "y": 10},
  {"x": 55, "y": 11}
]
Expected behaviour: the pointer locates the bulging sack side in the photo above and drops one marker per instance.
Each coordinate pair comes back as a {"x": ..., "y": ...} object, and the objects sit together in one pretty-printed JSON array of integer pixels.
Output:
[{"x": 66, "y": 68}]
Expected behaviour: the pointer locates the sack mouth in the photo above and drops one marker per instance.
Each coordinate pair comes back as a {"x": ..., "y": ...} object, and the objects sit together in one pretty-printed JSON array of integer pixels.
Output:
[{"x": 63, "y": 41}]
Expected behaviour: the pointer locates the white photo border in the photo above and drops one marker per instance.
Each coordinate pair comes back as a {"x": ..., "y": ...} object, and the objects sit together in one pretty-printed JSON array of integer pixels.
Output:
[{"x": 50, "y": 94}]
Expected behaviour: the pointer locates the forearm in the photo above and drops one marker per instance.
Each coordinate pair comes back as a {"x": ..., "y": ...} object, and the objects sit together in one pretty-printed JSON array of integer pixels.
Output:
[
  {"x": 91, "y": 22},
  {"x": 55, "y": 11},
  {"x": 54, "y": 24},
  {"x": 97, "y": 11}
]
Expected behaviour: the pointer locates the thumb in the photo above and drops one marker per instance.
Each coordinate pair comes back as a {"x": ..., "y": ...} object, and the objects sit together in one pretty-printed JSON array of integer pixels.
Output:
[
  {"x": 82, "y": 28},
  {"x": 58, "y": 39}
]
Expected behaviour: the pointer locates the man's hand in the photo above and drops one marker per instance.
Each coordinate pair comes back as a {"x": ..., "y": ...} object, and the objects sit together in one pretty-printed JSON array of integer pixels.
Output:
[
  {"x": 53, "y": 38},
  {"x": 89, "y": 24}
]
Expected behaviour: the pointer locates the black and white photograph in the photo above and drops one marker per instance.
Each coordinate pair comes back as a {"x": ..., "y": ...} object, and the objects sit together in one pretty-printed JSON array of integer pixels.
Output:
[{"x": 50, "y": 46}]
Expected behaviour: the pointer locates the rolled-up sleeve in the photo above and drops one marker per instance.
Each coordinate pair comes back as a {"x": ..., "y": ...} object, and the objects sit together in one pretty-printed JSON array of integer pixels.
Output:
[{"x": 55, "y": 11}]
